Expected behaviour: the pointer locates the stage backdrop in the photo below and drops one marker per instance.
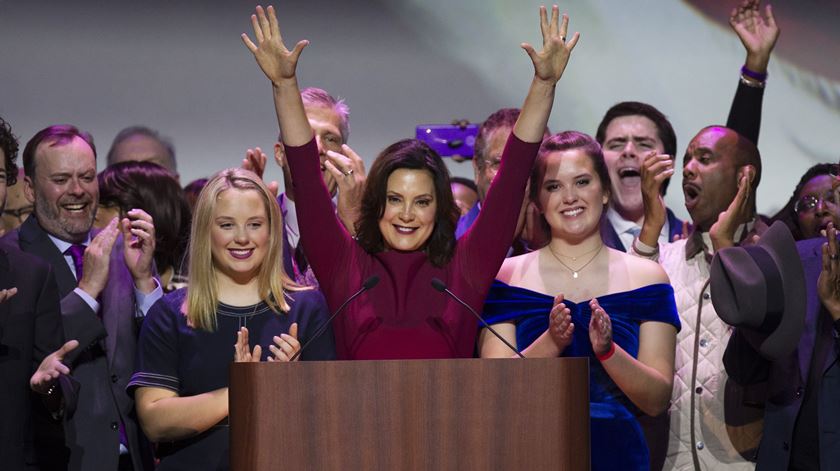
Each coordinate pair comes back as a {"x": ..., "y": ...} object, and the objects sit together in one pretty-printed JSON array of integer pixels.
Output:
[{"x": 181, "y": 68}]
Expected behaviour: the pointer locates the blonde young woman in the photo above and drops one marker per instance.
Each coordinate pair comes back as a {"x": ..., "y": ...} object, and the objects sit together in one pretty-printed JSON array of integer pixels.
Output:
[
  {"x": 577, "y": 297},
  {"x": 238, "y": 296}
]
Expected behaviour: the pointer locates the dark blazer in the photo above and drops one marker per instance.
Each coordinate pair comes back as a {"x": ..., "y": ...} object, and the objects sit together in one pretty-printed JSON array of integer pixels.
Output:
[
  {"x": 104, "y": 361},
  {"x": 788, "y": 378},
  {"x": 611, "y": 239},
  {"x": 30, "y": 329}
]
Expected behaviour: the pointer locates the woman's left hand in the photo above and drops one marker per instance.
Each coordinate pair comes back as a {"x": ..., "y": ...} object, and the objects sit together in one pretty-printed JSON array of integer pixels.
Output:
[
  {"x": 600, "y": 329},
  {"x": 550, "y": 62},
  {"x": 285, "y": 345},
  {"x": 242, "y": 349}
]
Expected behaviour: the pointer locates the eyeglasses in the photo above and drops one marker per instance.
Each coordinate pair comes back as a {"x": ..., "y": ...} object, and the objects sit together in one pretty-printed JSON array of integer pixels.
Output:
[
  {"x": 493, "y": 164},
  {"x": 808, "y": 203}
]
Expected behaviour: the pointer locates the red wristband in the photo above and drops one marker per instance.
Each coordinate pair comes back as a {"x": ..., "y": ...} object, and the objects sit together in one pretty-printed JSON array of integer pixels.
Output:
[{"x": 606, "y": 356}]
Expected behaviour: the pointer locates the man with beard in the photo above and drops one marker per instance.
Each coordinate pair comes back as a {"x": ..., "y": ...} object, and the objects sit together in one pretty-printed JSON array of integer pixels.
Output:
[
  {"x": 721, "y": 171},
  {"x": 106, "y": 284}
]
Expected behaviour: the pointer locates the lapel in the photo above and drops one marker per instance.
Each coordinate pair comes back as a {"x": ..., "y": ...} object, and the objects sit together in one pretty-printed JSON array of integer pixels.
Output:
[
  {"x": 609, "y": 235},
  {"x": 810, "y": 252},
  {"x": 6, "y": 281},
  {"x": 34, "y": 239}
]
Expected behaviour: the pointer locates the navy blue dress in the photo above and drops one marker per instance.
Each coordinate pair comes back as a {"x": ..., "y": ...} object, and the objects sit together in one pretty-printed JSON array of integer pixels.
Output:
[
  {"x": 617, "y": 440},
  {"x": 173, "y": 355}
]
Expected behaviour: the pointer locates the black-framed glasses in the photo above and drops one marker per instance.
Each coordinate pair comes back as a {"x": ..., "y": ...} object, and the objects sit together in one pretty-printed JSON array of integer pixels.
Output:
[{"x": 808, "y": 203}]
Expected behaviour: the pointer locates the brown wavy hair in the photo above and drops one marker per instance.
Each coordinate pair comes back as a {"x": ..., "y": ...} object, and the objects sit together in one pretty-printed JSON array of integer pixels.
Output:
[{"x": 414, "y": 155}]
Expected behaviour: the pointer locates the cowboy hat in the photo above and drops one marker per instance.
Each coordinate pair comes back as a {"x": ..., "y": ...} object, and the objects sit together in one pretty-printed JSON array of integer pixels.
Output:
[{"x": 761, "y": 289}]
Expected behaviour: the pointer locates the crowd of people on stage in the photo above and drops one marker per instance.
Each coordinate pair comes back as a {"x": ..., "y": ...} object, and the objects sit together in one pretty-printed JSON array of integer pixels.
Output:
[{"x": 712, "y": 343}]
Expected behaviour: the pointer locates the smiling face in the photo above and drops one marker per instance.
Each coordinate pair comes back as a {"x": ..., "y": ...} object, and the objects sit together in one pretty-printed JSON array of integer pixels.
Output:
[
  {"x": 817, "y": 205},
  {"x": 628, "y": 139},
  {"x": 239, "y": 234},
  {"x": 410, "y": 209},
  {"x": 571, "y": 196},
  {"x": 64, "y": 189},
  {"x": 710, "y": 175}
]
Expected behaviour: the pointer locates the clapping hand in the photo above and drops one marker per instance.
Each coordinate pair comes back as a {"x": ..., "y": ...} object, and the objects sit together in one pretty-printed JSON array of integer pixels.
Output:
[
  {"x": 138, "y": 232},
  {"x": 551, "y": 61},
  {"x": 828, "y": 284},
  {"x": 348, "y": 169},
  {"x": 600, "y": 329},
  {"x": 51, "y": 368},
  {"x": 739, "y": 211},
  {"x": 561, "y": 326},
  {"x": 254, "y": 161},
  {"x": 276, "y": 61},
  {"x": 242, "y": 352}
]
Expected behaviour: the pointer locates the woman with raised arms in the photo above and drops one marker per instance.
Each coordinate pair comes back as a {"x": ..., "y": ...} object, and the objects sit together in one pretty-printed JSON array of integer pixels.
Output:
[{"x": 406, "y": 230}]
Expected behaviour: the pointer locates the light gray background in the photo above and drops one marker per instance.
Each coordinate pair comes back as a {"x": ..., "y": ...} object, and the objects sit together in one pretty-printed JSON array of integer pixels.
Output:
[{"x": 180, "y": 67}]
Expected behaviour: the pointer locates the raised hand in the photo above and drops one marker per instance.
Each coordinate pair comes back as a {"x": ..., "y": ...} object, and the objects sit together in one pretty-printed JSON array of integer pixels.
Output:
[
  {"x": 600, "y": 329},
  {"x": 757, "y": 33},
  {"x": 560, "y": 324},
  {"x": 242, "y": 350},
  {"x": 254, "y": 161},
  {"x": 348, "y": 169},
  {"x": 285, "y": 345},
  {"x": 550, "y": 62},
  {"x": 828, "y": 284},
  {"x": 722, "y": 231},
  {"x": 51, "y": 368},
  {"x": 277, "y": 62},
  {"x": 97, "y": 260},
  {"x": 655, "y": 169},
  {"x": 138, "y": 232}
]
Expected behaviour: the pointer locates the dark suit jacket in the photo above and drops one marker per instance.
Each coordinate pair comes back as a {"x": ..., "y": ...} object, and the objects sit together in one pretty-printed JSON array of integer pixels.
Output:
[
  {"x": 788, "y": 378},
  {"x": 104, "y": 361},
  {"x": 30, "y": 329}
]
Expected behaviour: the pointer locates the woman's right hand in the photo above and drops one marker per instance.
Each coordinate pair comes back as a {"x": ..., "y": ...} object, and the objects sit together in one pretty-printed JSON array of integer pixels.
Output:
[
  {"x": 551, "y": 61},
  {"x": 560, "y": 325},
  {"x": 242, "y": 349},
  {"x": 276, "y": 61}
]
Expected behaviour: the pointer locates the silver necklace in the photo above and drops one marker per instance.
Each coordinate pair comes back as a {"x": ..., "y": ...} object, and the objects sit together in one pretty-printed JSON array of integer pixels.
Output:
[{"x": 576, "y": 273}]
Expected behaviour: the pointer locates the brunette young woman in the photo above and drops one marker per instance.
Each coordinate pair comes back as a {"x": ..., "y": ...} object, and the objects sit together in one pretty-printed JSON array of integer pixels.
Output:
[
  {"x": 406, "y": 231},
  {"x": 238, "y": 296},
  {"x": 577, "y": 297}
]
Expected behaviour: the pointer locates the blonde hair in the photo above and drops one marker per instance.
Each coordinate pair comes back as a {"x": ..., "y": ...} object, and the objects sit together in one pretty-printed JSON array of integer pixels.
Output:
[{"x": 202, "y": 292}]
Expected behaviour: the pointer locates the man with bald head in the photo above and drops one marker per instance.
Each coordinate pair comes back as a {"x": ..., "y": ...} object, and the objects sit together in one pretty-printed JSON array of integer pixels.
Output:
[
  {"x": 721, "y": 171},
  {"x": 143, "y": 144}
]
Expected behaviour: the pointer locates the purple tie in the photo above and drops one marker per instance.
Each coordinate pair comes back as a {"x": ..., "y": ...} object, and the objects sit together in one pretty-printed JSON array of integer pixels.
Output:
[{"x": 77, "y": 253}]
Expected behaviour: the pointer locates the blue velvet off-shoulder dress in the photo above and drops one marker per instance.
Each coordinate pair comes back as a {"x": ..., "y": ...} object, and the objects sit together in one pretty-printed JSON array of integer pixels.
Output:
[{"x": 617, "y": 440}]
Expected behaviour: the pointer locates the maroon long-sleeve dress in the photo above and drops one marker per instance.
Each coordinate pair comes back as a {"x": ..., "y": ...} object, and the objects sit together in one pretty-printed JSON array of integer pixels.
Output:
[{"x": 403, "y": 316}]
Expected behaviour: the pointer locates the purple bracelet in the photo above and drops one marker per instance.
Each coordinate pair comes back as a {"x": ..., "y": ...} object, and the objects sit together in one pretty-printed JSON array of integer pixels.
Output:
[{"x": 753, "y": 75}]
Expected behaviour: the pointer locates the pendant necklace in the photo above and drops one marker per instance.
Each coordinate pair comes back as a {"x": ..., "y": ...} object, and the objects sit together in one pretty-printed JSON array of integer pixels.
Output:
[{"x": 576, "y": 273}]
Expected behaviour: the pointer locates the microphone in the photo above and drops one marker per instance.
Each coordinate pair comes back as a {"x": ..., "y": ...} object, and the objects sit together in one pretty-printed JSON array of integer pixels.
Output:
[
  {"x": 368, "y": 284},
  {"x": 441, "y": 286}
]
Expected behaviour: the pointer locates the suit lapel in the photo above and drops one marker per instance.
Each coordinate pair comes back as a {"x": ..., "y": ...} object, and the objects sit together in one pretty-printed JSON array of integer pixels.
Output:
[
  {"x": 6, "y": 281},
  {"x": 33, "y": 239},
  {"x": 812, "y": 265}
]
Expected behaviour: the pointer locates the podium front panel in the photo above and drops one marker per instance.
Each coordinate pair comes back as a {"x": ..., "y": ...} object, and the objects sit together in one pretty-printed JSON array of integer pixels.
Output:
[{"x": 503, "y": 414}]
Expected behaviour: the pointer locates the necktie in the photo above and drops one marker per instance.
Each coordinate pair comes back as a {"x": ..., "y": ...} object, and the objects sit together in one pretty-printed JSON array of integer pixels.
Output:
[{"x": 77, "y": 253}]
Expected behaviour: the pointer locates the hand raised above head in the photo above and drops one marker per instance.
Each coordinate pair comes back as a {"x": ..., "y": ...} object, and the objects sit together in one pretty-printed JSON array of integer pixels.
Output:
[
  {"x": 551, "y": 61},
  {"x": 757, "y": 33},
  {"x": 276, "y": 61}
]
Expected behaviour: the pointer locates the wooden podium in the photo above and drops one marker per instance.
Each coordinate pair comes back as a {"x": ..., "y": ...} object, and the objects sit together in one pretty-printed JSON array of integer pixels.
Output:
[{"x": 530, "y": 414}]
